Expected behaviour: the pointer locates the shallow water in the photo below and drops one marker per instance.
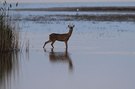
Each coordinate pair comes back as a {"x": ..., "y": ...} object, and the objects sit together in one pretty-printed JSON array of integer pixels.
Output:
[{"x": 101, "y": 55}]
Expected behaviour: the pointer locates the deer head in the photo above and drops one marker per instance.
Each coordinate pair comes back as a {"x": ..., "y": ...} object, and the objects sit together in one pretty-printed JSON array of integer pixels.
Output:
[{"x": 71, "y": 26}]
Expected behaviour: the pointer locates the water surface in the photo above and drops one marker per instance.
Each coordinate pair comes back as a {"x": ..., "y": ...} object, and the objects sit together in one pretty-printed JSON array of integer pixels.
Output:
[{"x": 101, "y": 55}]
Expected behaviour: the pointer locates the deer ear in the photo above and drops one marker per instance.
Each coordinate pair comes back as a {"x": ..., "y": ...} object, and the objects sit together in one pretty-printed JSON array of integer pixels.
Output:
[
  {"x": 68, "y": 26},
  {"x": 73, "y": 25}
]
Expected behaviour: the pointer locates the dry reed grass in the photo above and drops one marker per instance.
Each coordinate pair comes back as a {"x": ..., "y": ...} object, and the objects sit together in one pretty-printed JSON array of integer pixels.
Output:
[{"x": 9, "y": 36}]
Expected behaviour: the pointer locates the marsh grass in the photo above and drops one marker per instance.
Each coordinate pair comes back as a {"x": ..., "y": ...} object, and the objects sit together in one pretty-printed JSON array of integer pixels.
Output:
[
  {"x": 9, "y": 46},
  {"x": 9, "y": 36}
]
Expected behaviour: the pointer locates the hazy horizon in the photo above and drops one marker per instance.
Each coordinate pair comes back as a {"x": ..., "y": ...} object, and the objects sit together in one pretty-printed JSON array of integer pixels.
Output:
[{"x": 62, "y": 1}]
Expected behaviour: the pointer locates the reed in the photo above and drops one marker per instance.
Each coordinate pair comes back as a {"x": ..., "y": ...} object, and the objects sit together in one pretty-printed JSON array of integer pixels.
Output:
[
  {"x": 9, "y": 45},
  {"x": 9, "y": 36}
]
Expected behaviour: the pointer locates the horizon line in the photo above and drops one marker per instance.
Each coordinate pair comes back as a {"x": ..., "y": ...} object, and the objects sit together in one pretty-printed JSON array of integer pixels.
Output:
[{"x": 73, "y": 2}]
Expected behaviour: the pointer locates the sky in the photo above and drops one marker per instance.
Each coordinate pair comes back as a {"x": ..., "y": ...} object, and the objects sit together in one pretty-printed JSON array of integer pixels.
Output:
[{"x": 70, "y": 1}]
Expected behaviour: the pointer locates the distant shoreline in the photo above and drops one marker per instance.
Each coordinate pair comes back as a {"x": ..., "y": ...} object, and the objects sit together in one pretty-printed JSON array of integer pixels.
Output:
[
  {"x": 122, "y": 9},
  {"x": 78, "y": 17}
]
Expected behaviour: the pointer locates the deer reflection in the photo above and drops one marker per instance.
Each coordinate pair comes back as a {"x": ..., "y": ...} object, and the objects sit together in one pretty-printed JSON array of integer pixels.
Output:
[{"x": 61, "y": 57}]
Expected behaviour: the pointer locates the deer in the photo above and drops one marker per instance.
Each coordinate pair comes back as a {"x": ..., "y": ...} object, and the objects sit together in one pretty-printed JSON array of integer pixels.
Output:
[{"x": 60, "y": 37}]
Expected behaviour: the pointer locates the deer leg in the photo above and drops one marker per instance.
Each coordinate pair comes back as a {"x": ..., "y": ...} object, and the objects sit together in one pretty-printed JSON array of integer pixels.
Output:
[
  {"x": 52, "y": 44},
  {"x": 66, "y": 45},
  {"x": 46, "y": 43}
]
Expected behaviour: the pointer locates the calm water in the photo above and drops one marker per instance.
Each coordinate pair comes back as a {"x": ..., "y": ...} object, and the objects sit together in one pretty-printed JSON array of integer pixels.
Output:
[{"x": 101, "y": 55}]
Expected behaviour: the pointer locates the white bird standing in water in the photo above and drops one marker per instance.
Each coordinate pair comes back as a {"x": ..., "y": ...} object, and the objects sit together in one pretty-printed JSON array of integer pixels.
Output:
[{"x": 77, "y": 11}]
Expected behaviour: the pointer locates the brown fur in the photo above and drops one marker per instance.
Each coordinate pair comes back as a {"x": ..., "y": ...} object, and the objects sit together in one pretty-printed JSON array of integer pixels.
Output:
[{"x": 60, "y": 37}]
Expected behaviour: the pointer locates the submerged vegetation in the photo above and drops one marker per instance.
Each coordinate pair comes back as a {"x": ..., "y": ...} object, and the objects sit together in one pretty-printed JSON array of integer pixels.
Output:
[{"x": 9, "y": 37}]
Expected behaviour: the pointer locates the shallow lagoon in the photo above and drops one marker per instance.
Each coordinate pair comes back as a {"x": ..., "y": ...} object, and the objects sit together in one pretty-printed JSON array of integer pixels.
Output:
[{"x": 100, "y": 56}]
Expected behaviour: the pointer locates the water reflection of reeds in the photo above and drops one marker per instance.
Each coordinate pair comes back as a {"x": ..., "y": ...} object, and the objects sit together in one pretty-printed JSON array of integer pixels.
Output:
[{"x": 9, "y": 68}]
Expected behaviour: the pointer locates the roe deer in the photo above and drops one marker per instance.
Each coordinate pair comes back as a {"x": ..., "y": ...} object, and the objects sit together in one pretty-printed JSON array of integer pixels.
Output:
[{"x": 60, "y": 37}]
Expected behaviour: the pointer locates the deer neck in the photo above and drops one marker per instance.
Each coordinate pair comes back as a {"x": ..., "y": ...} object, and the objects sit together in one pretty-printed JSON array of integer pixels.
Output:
[{"x": 70, "y": 32}]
